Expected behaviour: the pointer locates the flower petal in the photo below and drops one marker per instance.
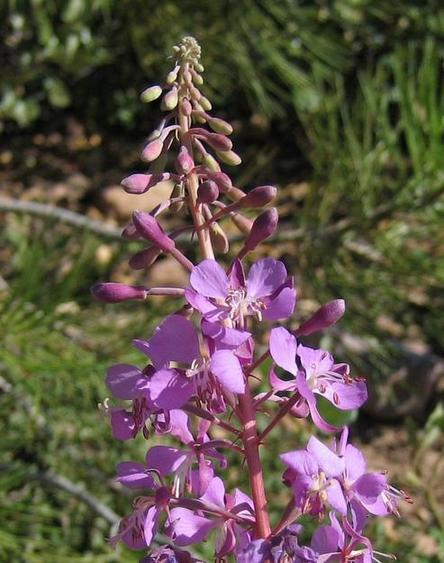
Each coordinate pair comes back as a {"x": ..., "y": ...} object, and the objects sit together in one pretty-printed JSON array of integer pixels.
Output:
[
  {"x": 329, "y": 462},
  {"x": 189, "y": 528},
  {"x": 215, "y": 493},
  {"x": 125, "y": 381},
  {"x": 226, "y": 367},
  {"x": 122, "y": 424},
  {"x": 281, "y": 306},
  {"x": 165, "y": 459},
  {"x": 134, "y": 476},
  {"x": 265, "y": 277},
  {"x": 336, "y": 497},
  {"x": 283, "y": 348},
  {"x": 209, "y": 279},
  {"x": 169, "y": 389},
  {"x": 175, "y": 340}
]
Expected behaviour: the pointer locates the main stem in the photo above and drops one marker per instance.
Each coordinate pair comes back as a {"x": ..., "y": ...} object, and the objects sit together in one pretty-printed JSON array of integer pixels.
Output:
[{"x": 250, "y": 441}]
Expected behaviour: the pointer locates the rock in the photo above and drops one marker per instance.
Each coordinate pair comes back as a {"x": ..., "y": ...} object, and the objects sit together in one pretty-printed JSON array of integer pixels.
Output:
[{"x": 121, "y": 205}]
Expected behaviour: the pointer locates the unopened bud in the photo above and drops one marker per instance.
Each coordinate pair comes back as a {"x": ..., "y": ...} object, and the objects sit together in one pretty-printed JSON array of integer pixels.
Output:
[
  {"x": 151, "y": 94},
  {"x": 118, "y": 292},
  {"x": 207, "y": 192},
  {"x": 205, "y": 103},
  {"x": 197, "y": 78},
  {"x": 229, "y": 157},
  {"x": 199, "y": 67},
  {"x": 152, "y": 150},
  {"x": 184, "y": 161},
  {"x": 150, "y": 229},
  {"x": 211, "y": 163},
  {"x": 185, "y": 107},
  {"x": 219, "y": 239},
  {"x": 325, "y": 316},
  {"x": 258, "y": 197},
  {"x": 222, "y": 180},
  {"x": 172, "y": 75},
  {"x": 169, "y": 101},
  {"x": 145, "y": 258},
  {"x": 218, "y": 142},
  {"x": 195, "y": 93},
  {"x": 263, "y": 227},
  {"x": 220, "y": 125},
  {"x": 141, "y": 183},
  {"x": 136, "y": 183}
]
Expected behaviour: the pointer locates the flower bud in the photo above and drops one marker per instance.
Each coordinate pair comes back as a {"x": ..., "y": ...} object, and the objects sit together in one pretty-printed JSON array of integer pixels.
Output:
[
  {"x": 151, "y": 94},
  {"x": 258, "y": 197},
  {"x": 222, "y": 180},
  {"x": 150, "y": 229},
  {"x": 136, "y": 183},
  {"x": 197, "y": 78},
  {"x": 172, "y": 75},
  {"x": 184, "y": 161},
  {"x": 220, "y": 125},
  {"x": 145, "y": 258},
  {"x": 169, "y": 101},
  {"x": 211, "y": 163},
  {"x": 229, "y": 157},
  {"x": 199, "y": 67},
  {"x": 118, "y": 292},
  {"x": 205, "y": 103},
  {"x": 263, "y": 227},
  {"x": 219, "y": 239},
  {"x": 185, "y": 107},
  {"x": 325, "y": 316},
  {"x": 152, "y": 150},
  {"x": 218, "y": 142},
  {"x": 207, "y": 192}
]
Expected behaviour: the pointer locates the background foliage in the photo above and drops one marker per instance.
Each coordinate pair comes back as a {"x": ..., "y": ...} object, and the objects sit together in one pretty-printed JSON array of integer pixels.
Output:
[{"x": 340, "y": 101}]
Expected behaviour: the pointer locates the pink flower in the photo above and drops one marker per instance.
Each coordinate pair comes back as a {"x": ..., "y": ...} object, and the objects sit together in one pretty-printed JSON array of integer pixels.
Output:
[{"x": 267, "y": 292}]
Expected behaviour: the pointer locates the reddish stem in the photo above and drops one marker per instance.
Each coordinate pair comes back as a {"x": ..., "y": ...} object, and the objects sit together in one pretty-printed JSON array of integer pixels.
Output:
[
  {"x": 285, "y": 408},
  {"x": 250, "y": 441}
]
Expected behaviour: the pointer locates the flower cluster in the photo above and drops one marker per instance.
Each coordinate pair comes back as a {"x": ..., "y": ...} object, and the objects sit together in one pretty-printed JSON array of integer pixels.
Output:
[{"x": 196, "y": 385}]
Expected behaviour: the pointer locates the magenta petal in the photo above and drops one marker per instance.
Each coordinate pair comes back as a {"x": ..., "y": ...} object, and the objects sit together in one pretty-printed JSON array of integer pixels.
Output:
[
  {"x": 325, "y": 540},
  {"x": 226, "y": 367},
  {"x": 169, "y": 389},
  {"x": 265, "y": 277},
  {"x": 209, "y": 279},
  {"x": 122, "y": 424},
  {"x": 151, "y": 524},
  {"x": 179, "y": 426},
  {"x": 329, "y": 462},
  {"x": 336, "y": 497},
  {"x": 134, "y": 475},
  {"x": 224, "y": 337},
  {"x": 125, "y": 381},
  {"x": 215, "y": 493},
  {"x": 369, "y": 486},
  {"x": 190, "y": 528},
  {"x": 301, "y": 461},
  {"x": 308, "y": 395},
  {"x": 164, "y": 459},
  {"x": 278, "y": 384},
  {"x": 175, "y": 340},
  {"x": 204, "y": 305},
  {"x": 283, "y": 347},
  {"x": 347, "y": 396},
  {"x": 355, "y": 463},
  {"x": 281, "y": 306}
]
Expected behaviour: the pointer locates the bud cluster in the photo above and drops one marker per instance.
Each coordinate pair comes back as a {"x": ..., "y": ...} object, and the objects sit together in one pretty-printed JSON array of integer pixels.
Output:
[{"x": 200, "y": 364}]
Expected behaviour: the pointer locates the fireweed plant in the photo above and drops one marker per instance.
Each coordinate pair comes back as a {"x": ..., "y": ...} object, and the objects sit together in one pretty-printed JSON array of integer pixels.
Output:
[{"x": 202, "y": 360}]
